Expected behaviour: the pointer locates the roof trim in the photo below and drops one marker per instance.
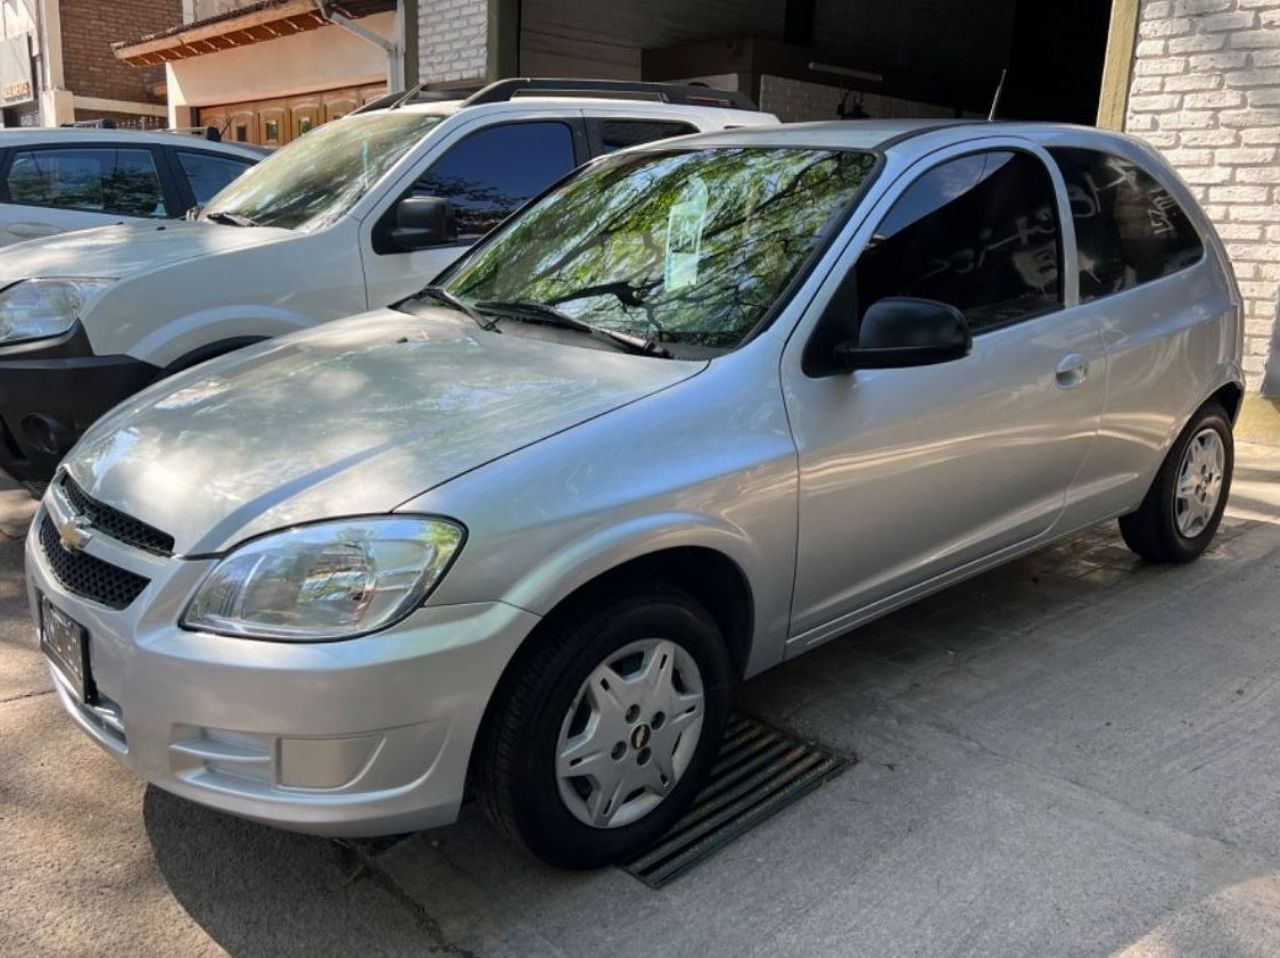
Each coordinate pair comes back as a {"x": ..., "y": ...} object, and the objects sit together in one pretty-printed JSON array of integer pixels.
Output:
[
  {"x": 253, "y": 23},
  {"x": 905, "y": 135}
]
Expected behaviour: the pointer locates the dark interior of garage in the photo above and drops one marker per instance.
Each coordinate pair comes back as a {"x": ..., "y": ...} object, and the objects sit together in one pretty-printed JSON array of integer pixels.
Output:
[{"x": 822, "y": 59}]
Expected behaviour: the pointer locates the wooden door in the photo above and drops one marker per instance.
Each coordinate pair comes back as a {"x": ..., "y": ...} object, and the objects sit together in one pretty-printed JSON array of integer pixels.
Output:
[
  {"x": 214, "y": 116},
  {"x": 242, "y": 125},
  {"x": 305, "y": 114},
  {"x": 368, "y": 93},
  {"x": 339, "y": 103},
  {"x": 273, "y": 123}
]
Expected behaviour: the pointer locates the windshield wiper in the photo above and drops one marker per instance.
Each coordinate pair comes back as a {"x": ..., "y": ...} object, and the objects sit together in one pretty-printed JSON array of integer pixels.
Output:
[
  {"x": 230, "y": 219},
  {"x": 542, "y": 313},
  {"x": 442, "y": 295}
]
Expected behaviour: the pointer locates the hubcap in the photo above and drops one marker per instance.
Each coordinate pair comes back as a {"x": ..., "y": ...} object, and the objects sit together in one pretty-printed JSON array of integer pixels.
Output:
[
  {"x": 1199, "y": 483},
  {"x": 630, "y": 733}
]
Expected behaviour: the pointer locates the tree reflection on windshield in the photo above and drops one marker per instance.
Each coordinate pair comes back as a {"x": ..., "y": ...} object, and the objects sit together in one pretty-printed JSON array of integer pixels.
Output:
[
  {"x": 317, "y": 178},
  {"x": 694, "y": 246}
]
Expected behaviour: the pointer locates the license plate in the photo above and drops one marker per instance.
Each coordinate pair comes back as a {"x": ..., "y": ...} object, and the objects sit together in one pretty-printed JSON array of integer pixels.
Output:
[{"x": 66, "y": 643}]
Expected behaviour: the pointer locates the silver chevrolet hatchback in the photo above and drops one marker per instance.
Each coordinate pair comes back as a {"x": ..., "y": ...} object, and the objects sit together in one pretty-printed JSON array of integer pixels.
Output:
[{"x": 698, "y": 409}]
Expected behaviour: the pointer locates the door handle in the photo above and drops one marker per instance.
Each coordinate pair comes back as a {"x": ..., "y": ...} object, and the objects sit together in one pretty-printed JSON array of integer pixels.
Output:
[
  {"x": 32, "y": 230},
  {"x": 1072, "y": 371}
]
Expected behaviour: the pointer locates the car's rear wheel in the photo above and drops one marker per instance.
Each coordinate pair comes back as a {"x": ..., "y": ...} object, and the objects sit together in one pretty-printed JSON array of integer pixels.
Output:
[
  {"x": 606, "y": 733},
  {"x": 1183, "y": 508}
]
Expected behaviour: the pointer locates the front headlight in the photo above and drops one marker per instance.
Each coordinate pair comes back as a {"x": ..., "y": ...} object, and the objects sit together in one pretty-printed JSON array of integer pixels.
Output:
[
  {"x": 333, "y": 580},
  {"x": 39, "y": 308}
]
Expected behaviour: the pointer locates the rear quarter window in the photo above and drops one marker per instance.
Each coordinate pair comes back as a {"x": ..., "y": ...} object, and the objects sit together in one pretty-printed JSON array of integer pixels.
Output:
[
  {"x": 620, "y": 134},
  {"x": 1129, "y": 229},
  {"x": 208, "y": 173}
]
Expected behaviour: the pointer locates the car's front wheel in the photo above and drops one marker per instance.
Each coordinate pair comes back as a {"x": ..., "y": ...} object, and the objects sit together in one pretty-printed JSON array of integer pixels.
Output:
[
  {"x": 608, "y": 729},
  {"x": 1181, "y": 512}
]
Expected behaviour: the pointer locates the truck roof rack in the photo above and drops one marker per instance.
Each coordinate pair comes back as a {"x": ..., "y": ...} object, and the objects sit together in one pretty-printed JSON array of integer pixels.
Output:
[
  {"x": 422, "y": 93},
  {"x": 503, "y": 90},
  {"x": 211, "y": 133},
  {"x": 106, "y": 123}
]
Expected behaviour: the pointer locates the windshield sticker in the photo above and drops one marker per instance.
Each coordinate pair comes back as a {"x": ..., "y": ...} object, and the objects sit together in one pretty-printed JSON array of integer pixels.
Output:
[{"x": 684, "y": 236}]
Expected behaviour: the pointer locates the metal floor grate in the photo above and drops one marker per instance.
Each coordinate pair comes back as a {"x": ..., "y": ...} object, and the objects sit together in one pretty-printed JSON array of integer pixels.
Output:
[{"x": 759, "y": 772}]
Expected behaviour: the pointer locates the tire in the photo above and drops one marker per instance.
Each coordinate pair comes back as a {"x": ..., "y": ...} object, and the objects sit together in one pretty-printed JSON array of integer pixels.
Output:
[
  {"x": 540, "y": 713},
  {"x": 1162, "y": 530}
]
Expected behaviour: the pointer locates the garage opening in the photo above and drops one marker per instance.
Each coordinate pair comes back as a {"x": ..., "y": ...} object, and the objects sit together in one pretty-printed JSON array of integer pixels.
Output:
[{"x": 825, "y": 59}]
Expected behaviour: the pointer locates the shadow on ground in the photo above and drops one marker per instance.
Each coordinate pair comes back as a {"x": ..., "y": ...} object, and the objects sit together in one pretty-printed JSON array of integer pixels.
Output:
[{"x": 260, "y": 892}]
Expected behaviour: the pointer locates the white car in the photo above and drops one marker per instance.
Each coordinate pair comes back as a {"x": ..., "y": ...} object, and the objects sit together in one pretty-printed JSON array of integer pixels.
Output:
[
  {"x": 73, "y": 178},
  {"x": 359, "y": 213}
]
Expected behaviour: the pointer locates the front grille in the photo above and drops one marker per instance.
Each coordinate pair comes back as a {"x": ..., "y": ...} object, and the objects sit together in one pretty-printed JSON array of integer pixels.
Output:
[
  {"x": 86, "y": 576},
  {"x": 114, "y": 523}
]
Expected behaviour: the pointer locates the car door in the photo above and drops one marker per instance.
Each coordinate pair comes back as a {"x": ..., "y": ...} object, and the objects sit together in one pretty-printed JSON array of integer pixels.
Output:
[
  {"x": 906, "y": 475},
  {"x": 48, "y": 190},
  {"x": 486, "y": 173},
  {"x": 1161, "y": 300}
]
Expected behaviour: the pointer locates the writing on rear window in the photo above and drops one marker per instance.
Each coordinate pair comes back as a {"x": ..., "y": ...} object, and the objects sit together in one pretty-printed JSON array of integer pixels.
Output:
[{"x": 1129, "y": 229}]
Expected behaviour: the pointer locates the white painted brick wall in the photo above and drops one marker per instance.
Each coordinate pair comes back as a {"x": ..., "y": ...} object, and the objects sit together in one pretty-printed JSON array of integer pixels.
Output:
[
  {"x": 1206, "y": 92},
  {"x": 453, "y": 40}
]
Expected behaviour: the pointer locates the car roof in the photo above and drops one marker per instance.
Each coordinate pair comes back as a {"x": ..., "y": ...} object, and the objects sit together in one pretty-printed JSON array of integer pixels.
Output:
[
  {"x": 54, "y": 135},
  {"x": 903, "y": 136}
]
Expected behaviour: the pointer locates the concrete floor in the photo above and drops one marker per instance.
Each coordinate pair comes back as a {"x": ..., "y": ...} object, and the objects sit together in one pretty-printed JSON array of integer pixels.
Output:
[{"x": 1075, "y": 755}]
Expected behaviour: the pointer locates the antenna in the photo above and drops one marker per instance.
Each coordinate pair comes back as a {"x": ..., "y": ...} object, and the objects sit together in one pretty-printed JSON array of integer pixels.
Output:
[{"x": 995, "y": 100}]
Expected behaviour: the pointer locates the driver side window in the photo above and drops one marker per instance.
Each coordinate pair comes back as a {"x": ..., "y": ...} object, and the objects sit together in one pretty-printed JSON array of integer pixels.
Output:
[
  {"x": 979, "y": 233},
  {"x": 491, "y": 173}
]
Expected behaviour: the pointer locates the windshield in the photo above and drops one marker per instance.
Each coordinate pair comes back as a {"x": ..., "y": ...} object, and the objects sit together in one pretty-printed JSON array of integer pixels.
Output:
[
  {"x": 317, "y": 178},
  {"x": 687, "y": 248}
]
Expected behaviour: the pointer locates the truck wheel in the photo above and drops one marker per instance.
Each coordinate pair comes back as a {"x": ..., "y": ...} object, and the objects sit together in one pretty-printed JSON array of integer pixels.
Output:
[
  {"x": 1181, "y": 512},
  {"x": 607, "y": 732}
]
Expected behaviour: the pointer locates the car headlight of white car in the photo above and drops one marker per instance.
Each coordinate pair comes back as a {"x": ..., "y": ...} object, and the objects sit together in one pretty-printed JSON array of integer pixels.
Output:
[
  {"x": 41, "y": 308},
  {"x": 331, "y": 580}
]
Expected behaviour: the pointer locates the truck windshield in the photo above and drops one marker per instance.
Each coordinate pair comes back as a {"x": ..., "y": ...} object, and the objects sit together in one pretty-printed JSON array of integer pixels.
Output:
[
  {"x": 315, "y": 179},
  {"x": 688, "y": 249}
]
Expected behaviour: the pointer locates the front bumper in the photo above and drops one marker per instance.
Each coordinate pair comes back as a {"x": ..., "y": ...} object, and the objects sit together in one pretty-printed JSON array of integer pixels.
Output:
[
  {"x": 368, "y": 736},
  {"x": 51, "y": 392}
]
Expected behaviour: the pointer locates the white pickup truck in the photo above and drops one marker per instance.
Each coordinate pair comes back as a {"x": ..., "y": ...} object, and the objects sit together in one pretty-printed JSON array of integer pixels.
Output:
[{"x": 357, "y": 214}]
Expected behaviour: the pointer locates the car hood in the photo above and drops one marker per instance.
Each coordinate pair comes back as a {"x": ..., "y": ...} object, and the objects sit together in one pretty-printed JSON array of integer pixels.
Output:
[
  {"x": 354, "y": 417},
  {"x": 115, "y": 252}
]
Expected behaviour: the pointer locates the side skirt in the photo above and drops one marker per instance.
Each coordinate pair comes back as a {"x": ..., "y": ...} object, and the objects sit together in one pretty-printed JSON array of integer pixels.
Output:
[{"x": 799, "y": 644}]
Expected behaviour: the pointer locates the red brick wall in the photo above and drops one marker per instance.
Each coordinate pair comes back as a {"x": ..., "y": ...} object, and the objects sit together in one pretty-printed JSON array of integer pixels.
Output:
[{"x": 89, "y": 27}]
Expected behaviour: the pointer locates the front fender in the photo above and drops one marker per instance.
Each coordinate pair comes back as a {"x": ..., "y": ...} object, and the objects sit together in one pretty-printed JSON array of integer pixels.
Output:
[
  {"x": 185, "y": 335},
  {"x": 567, "y": 569}
]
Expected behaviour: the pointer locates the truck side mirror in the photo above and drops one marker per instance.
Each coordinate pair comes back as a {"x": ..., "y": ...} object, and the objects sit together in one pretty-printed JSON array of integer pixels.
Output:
[{"x": 422, "y": 222}]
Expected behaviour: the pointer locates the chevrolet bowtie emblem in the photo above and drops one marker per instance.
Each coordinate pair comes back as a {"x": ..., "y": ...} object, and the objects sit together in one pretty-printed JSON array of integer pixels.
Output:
[{"x": 74, "y": 534}]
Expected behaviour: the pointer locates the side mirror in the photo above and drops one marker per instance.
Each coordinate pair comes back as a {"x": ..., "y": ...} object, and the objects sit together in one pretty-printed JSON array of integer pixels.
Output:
[
  {"x": 901, "y": 331},
  {"x": 422, "y": 222}
]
